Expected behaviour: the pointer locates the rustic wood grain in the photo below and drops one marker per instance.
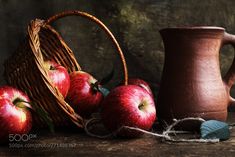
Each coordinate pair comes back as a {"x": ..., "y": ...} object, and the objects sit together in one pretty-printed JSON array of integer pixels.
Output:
[{"x": 73, "y": 142}]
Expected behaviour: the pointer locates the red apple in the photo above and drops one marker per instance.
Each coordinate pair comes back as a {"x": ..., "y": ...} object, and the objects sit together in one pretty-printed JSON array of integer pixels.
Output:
[
  {"x": 128, "y": 105},
  {"x": 59, "y": 76},
  {"x": 83, "y": 95},
  {"x": 141, "y": 83},
  {"x": 15, "y": 118}
]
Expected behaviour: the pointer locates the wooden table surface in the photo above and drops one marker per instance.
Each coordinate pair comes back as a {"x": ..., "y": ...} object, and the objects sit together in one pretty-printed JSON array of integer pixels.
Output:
[{"x": 70, "y": 143}]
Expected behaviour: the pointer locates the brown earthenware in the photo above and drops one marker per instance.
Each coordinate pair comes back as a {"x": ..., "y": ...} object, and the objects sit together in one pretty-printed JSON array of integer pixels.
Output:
[{"x": 191, "y": 84}]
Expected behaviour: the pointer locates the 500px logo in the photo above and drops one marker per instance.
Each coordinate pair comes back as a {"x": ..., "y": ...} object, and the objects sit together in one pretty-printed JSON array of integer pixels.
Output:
[{"x": 21, "y": 137}]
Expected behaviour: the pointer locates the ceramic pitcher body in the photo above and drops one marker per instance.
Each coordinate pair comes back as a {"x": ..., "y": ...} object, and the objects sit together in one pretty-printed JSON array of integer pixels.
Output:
[{"x": 192, "y": 85}]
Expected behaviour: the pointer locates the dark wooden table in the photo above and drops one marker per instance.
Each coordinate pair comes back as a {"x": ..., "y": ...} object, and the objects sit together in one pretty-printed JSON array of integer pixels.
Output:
[{"x": 70, "y": 143}]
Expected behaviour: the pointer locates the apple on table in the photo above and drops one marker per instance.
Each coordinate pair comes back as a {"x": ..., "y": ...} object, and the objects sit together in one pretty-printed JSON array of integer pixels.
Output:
[
  {"x": 128, "y": 105},
  {"x": 15, "y": 118}
]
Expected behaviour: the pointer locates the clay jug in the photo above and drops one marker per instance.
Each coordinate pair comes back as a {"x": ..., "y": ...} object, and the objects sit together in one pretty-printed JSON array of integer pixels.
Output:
[{"x": 192, "y": 85}]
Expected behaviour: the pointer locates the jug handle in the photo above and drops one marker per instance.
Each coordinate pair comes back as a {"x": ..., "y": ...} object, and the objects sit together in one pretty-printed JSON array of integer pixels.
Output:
[{"x": 229, "y": 78}]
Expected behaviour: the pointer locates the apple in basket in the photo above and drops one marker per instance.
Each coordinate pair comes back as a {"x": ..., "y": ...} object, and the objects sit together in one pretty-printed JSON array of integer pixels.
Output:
[
  {"x": 84, "y": 95},
  {"x": 15, "y": 118},
  {"x": 59, "y": 76},
  {"x": 141, "y": 83},
  {"x": 130, "y": 106}
]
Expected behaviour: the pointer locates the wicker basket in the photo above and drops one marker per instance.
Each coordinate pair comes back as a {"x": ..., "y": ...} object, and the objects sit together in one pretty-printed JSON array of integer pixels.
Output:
[{"x": 24, "y": 69}]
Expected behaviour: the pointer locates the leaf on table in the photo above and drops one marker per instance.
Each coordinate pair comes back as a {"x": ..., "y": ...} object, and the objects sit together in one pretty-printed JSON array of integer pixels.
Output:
[
  {"x": 46, "y": 118},
  {"x": 213, "y": 129},
  {"x": 104, "y": 91},
  {"x": 41, "y": 112},
  {"x": 107, "y": 78}
]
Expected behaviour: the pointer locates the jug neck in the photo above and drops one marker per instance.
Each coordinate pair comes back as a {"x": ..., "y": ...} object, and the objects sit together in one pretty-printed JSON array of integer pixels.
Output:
[
  {"x": 197, "y": 40},
  {"x": 200, "y": 31}
]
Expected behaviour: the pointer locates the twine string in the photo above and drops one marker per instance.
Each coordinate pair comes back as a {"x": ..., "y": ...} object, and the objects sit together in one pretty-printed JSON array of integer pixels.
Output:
[{"x": 165, "y": 135}]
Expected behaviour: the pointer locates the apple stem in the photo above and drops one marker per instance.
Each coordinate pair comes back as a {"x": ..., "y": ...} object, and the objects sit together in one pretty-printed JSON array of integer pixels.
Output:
[
  {"x": 95, "y": 86},
  {"x": 52, "y": 68},
  {"x": 18, "y": 102},
  {"x": 141, "y": 106}
]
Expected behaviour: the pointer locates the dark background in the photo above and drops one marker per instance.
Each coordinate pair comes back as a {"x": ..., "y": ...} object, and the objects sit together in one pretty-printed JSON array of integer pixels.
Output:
[{"x": 135, "y": 24}]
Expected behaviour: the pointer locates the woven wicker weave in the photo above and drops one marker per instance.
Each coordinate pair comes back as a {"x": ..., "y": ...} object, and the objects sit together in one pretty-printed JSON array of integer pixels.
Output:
[{"x": 24, "y": 69}]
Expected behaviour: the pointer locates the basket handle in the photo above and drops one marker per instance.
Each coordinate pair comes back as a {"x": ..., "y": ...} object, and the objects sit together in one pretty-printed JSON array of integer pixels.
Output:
[{"x": 102, "y": 25}]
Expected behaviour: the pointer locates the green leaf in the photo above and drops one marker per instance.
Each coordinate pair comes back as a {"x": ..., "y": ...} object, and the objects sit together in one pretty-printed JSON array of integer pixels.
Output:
[
  {"x": 45, "y": 116},
  {"x": 104, "y": 91},
  {"x": 214, "y": 129},
  {"x": 107, "y": 78},
  {"x": 98, "y": 88},
  {"x": 41, "y": 112}
]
